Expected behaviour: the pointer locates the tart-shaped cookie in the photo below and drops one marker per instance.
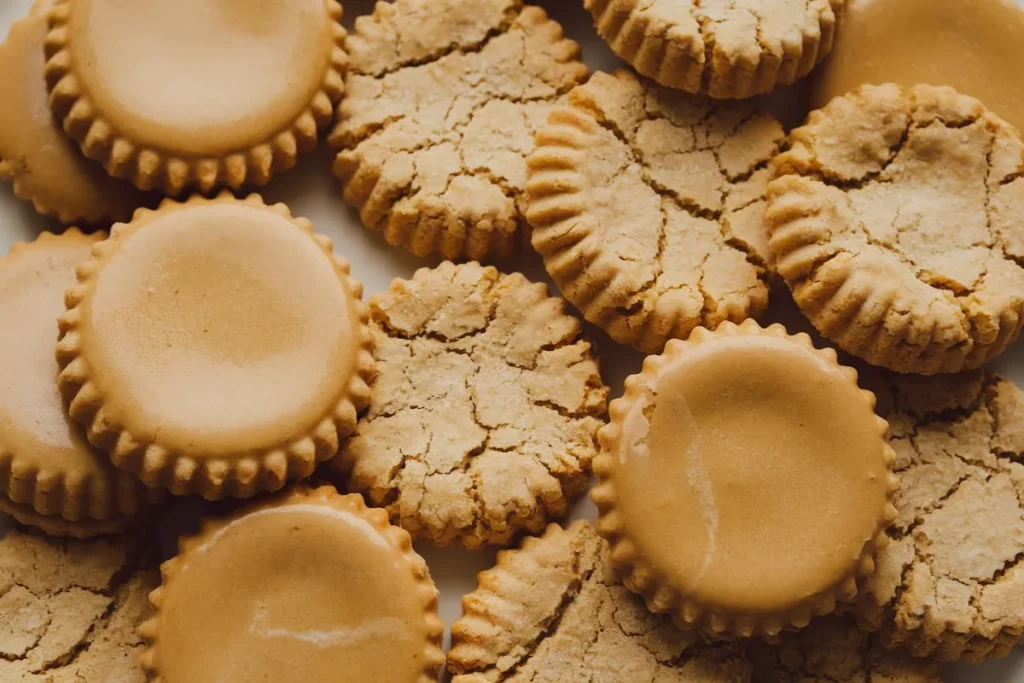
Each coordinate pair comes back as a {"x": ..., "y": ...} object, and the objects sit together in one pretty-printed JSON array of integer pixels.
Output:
[
  {"x": 648, "y": 207},
  {"x": 950, "y": 585},
  {"x": 553, "y": 609},
  {"x": 443, "y": 100},
  {"x": 307, "y": 585},
  {"x": 50, "y": 476},
  {"x": 723, "y": 49},
  {"x": 745, "y": 482},
  {"x": 173, "y": 94},
  {"x": 897, "y": 220},
  {"x": 485, "y": 407},
  {"x": 215, "y": 347}
]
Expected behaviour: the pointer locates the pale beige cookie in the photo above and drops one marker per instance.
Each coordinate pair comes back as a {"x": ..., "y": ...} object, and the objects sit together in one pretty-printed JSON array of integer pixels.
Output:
[
  {"x": 896, "y": 221},
  {"x": 647, "y": 206},
  {"x": 553, "y": 611},
  {"x": 484, "y": 410},
  {"x": 950, "y": 585},
  {"x": 444, "y": 97},
  {"x": 725, "y": 48},
  {"x": 70, "y": 609}
]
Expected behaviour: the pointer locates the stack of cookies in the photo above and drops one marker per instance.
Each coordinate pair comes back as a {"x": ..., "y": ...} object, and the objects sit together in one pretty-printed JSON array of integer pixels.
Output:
[{"x": 770, "y": 506}]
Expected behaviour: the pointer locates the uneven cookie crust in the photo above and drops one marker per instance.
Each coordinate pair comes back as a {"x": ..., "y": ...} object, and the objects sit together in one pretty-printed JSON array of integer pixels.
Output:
[
  {"x": 950, "y": 585},
  {"x": 648, "y": 207},
  {"x": 553, "y": 611},
  {"x": 896, "y": 221},
  {"x": 70, "y": 609},
  {"x": 443, "y": 100},
  {"x": 485, "y": 407}
]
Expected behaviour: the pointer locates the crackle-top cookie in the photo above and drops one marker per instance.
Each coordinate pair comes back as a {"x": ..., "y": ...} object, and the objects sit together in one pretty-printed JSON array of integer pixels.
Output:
[
  {"x": 443, "y": 100},
  {"x": 648, "y": 206},
  {"x": 484, "y": 409},
  {"x": 553, "y": 610},
  {"x": 725, "y": 48},
  {"x": 896, "y": 220}
]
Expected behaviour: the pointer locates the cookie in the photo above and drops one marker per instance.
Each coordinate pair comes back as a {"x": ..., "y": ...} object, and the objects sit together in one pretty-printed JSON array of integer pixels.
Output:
[
  {"x": 648, "y": 206},
  {"x": 443, "y": 99},
  {"x": 71, "y": 608},
  {"x": 950, "y": 585},
  {"x": 484, "y": 411},
  {"x": 724, "y": 49},
  {"x": 895, "y": 219},
  {"x": 180, "y": 94},
  {"x": 552, "y": 610},
  {"x": 733, "y": 421},
  {"x": 215, "y": 347},
  {"x": 308, "y": 585}
]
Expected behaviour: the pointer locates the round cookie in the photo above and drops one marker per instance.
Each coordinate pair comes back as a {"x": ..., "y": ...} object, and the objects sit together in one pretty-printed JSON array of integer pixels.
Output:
[
  {"x": 730, "y": 422},
  {"x": 215, "y": 347},
  {"x": 950, "y": 584},
  {"x": 553, "y": 610},
  {"x": 178, "y": 94},
  {"x": 443, "y": 100},
  {"x": 484, "y": 410},
  {"x": 895, "y": 219},
  {"x": 647, "y": 206},
  {"x": 724, "y": 49}
]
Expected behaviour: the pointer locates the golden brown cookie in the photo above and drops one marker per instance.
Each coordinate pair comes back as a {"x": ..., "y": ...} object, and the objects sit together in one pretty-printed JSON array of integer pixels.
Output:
[
  {"x": 732, "y": 49},
  {"x": 443, "y": 99},
  {"x": 553, "y": 611},
  {"x": 648, "y": 206},
  {"x": 306, "y": 584},
  {"x": 485, "y": 407},
  {"x": 950, "y": 585},
  {"x": 745, "y": 484},
  {"x": 174, "y": 94},
  {"x": 70, "y": 609},
  {"x": 896, "y": 220},
  {"x": 215, "y": 347}
]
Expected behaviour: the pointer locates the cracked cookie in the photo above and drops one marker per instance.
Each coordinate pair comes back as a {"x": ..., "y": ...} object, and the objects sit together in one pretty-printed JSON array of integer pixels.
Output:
[
  {"x": 648, "y": 206},
  {"x": 179, "y": 94},
  {"x": 70, "y": 609},
  {"x": 553, "y": 610},
  {"x": 216, "y": 347},
  {"x": 895, "y": 219},
  {"x": 950, "y": 584},
  {"x": 484, "y": 410},
  {"x": 730, "y": 422},
  {"x": 724, "y": 48},
  {"x": 443, "y": 99},
  {"x": 307, "y": 585}
]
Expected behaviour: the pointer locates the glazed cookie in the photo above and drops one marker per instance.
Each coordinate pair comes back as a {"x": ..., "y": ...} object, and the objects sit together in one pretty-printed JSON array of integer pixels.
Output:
[
  {"x": 485, "y": 407},
  {"x": 444, "y": 97},
  {"x": 647, "y": 206},
  {"x": 178, "y": 94},
  {"x": 215, "y": 347},
  {"x": 950, "y": 585},
  {"x": 729, "y": 49},
  {"x": 553, "y": 611},
  {"x": 895, "y": 219},
  {"x": 70, "y": 609}
]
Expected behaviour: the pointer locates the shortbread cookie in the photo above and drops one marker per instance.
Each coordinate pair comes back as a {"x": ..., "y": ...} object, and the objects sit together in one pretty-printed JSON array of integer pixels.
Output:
[
  {"x": 70, "y": 609},
  {"x": 897, "y": 219},
  {"x": 950, "y": 585},
  {"x": 727, "y": 49},
  {"x": 647, "y": 206},
  {"x": 484, "y": 411},
  {"x": 444, "y": 97},
  {"x": 178, "y": 94},
  {"x": 552, "y": 611}
]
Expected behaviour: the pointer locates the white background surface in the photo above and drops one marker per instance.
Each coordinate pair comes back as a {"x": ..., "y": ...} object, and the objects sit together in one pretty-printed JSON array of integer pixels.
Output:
[{"x": 311, "y": 191}]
